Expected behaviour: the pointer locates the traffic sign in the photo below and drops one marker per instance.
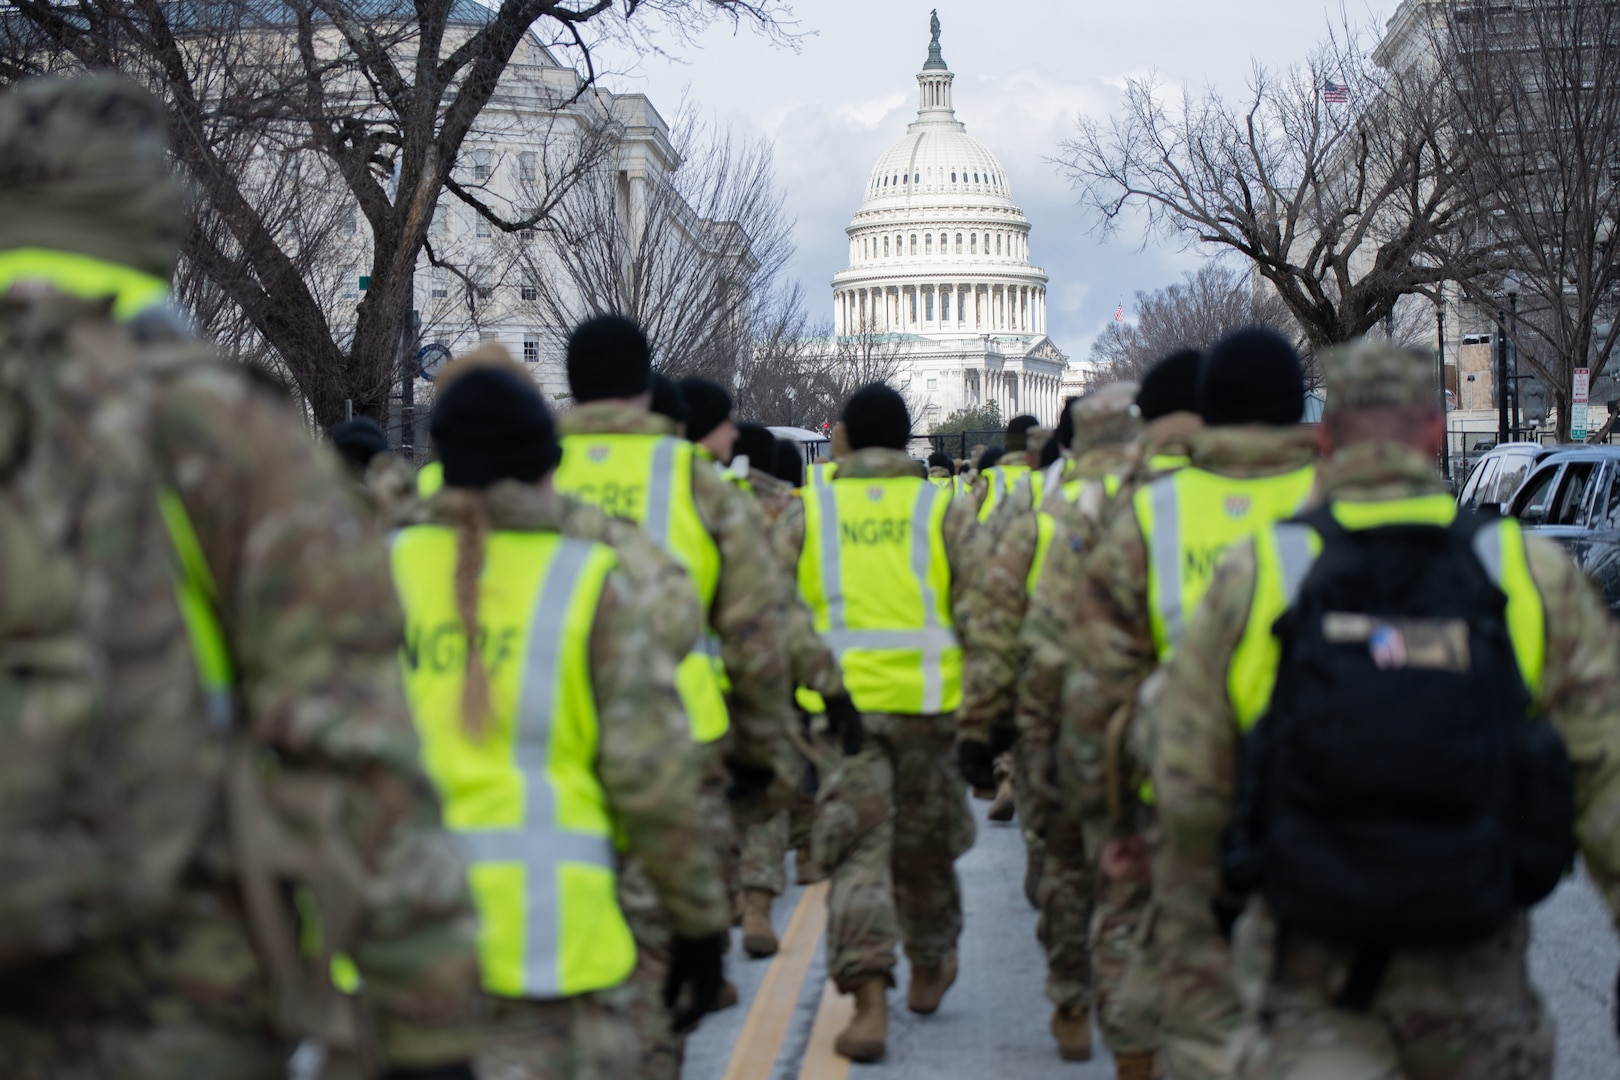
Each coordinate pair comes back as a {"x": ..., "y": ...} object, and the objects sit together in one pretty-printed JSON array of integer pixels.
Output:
[{"x": 1581, "y": 388}]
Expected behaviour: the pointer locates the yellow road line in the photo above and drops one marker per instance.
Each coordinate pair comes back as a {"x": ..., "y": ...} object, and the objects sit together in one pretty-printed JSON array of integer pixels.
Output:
[
  {"x": 821, "y": 1061},
  {"x": 754, "y": 1055}
]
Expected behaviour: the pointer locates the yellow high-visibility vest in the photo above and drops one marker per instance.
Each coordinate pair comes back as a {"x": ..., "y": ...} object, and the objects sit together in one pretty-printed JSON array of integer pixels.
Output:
[
  {"x": 648, "y": 479},
  {"x": 821, "y": 472},
  {"x": 198, "y": 597},
  {"x": 131, "y": 291},
  {"x": 1046, "y": 524},
  {"x": 875, "y": 574},
  {"x": 1188, "y": 519},
  {"x": 999, "y": 481},
  {"x": 1285, "y": 553},
  {"x": 524, "y": 799},
  {"x": 429, "y": 479}
]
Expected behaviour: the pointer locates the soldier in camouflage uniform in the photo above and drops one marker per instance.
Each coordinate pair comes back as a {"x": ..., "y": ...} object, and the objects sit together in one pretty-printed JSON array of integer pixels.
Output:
[
  {"x": 751, "y": 772},
  {"x": 891, "y": 818},
  {"x": 385, "y": 483},
  {"x": 1169, "y": 407},
  {"x": 90, "y": 226},
  {"x": 764, "y": 847},
  {"x": 1007, "y": 660},
  {"x": 1099, "y": 614},
  {"x": 1442, "y": 1011},
  {"x": 486, "y": 424}
]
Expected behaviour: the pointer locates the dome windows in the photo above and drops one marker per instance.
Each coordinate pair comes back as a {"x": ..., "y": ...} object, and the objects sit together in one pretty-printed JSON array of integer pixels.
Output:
[
  {"x": 959, "y": 243},
  {"x": 928, "y": 244},
  {"x": 973, "y": 243},
  {"x": 885, "y": 247},
  {"x": 914, "y": 244},
  {"x": 953, "y": 176}
]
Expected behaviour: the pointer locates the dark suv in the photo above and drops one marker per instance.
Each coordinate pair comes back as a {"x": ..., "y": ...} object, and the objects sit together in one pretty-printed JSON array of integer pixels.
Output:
[
  {"x": 1573, "y": 496},
  {"x": 1496, "y": 477}
]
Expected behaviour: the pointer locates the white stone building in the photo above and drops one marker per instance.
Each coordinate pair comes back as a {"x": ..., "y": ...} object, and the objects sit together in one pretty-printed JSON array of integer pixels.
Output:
[{"x": 939, "y": 266}]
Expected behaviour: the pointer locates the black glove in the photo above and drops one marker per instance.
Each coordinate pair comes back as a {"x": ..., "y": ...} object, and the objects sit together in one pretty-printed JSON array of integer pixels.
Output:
[
  {"x": 459, "y": 1071},
  {"x": 976, "y": 763},
  {"x": 695, "y": 964},
  {"x": 844, "y": 720},
  {"x": 1003, "y": 737},
  {"x": 747, "y": 781}
]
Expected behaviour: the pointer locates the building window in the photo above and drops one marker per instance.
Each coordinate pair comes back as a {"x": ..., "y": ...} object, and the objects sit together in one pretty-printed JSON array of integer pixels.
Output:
[
  {"x": 928, "y": 306},
  {"x": 481, "y": 165},
  {"x": 439, "y": 225},
  {"x": 973, "y": 243},
  {"x": 482, "y": 228},
  {"x": 914, "y": 244},
  {"x": 885, "y": 247},
  {"x": 440, "y": 283},
  {"x": 961, "y": 306},
  {"x": 998, "y": 243},
  {"x": 933, "y": 384},
  {"x": 944, "y": 243},
  {"x": 928, "y": 244},
  {"x": 529, "y": 290},
  {"x": 351, "y": 222},
  {"x": 484, "y": 280},
  {"x": 531, "y": 350},
  {"x": 526, "y": 166},
  {"x": 953, "y": 176},
  {"x": 959, "y": 243},
  {"x": 526, "y": 235},
  {"x": 488, "y": 335},
  {"x": 351, "y": 283}
]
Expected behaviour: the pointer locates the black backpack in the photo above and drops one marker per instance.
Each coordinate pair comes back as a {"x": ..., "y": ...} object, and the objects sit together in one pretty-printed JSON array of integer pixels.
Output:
[{"x": 1395, "y": 793}]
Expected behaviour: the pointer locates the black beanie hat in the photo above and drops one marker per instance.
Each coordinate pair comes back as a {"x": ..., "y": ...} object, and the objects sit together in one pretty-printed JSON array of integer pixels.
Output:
[
  {"x": 1018, "y": 432},
  {"x": 757, "y": 444},
  {"x": 876, "y": 416},
  {"x": 1050, "y": 450},
  {"x": 359, "y": 440},
  {"x": 990, "y": 458},
  {"x": 940, "y": 460},
  {"x": 1063, "y": 435},
  {"x": 787, "y": 463},
  {"x": 667, "y": 399},
  {"x": 1251, "y": 376},
  {"x": 707, "y": 406},
  {"x": 492, "y": 425},
  {"x": 1170, "y": 386},
  {"x": 608, "y": 357}
]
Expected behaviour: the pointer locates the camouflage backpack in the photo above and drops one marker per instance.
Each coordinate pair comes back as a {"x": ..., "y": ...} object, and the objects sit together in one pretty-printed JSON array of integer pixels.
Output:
[{"x": 108, "y": 776}]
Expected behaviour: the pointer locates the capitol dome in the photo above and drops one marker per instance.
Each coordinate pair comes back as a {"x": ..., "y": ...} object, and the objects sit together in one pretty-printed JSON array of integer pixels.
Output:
[{"x": 939, "y": 256}]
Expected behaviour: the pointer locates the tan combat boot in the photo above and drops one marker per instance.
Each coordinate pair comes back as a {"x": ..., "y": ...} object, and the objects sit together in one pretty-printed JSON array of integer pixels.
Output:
[
  {"x": 928, "y": 985},
  {"x": 864, "y": 1038},
  {"x": 1135, "y": 1065},
  {"x": 809, "y": 871},
  {"x": 1072, "y": 1029},
  {"x": 758, "y": 937},
  {"x": 1002, "y": 808}
]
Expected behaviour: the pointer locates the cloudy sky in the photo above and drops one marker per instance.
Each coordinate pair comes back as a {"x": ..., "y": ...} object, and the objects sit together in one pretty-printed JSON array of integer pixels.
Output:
[{"x": 1025, "y": 69}]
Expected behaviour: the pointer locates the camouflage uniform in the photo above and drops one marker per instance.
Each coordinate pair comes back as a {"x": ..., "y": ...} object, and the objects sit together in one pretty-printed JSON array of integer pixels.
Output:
[
  {"x": 1095, "y": 613},
  {"x": 892, "y": 820},
  {"x": 812, "y": 666},
  {"x": 746, "y": 618},
  {"x": 1060, "y": 876},
  {"x": 1441, "y": 1012},
  {"x": 389, "y": 491},
  {"x": 670, "y": 881},
  {"x": 309, "y": 613}
]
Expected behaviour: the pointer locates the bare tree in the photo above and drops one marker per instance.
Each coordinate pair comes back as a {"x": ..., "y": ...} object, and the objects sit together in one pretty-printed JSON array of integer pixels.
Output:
[
  {"x": 383, "y": 92},
  {"x": 683, "y": 252},
  {"x": 1206, "y": 304},
  {"x": 1537, "y": 93},
  {"x": 1337, "y": 197}
]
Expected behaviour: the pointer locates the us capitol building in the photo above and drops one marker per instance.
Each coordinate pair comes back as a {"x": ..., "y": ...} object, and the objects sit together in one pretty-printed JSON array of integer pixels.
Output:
[{"x": 939, "y": 271}]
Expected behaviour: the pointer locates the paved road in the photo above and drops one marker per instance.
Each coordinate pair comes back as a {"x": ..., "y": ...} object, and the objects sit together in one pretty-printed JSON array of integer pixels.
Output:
[{"x": 993, "y": 1023}]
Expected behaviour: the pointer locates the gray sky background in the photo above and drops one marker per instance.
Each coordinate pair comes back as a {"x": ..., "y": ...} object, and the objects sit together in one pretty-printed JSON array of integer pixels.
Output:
[{"x": 1025, "y": 69}]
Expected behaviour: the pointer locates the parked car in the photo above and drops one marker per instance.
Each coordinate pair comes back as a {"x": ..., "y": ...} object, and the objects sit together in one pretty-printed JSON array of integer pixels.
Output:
[
  {"x": 1496, "y": 477},
  {"x": 1573, "y": 496}
]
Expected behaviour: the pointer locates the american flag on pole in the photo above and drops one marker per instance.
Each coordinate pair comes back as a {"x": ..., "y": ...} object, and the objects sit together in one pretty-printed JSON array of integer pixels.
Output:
[
  {"x": 1119, "y": 313},
  {"x": 1335, "y": 94}
]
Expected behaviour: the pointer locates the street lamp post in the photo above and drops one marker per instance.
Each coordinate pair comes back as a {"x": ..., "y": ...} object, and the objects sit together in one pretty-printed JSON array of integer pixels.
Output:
[
  {"x": 1440, "y": 380},
  {"x": 1511, "y": 285},
  {"x": 1502, "y": 383}
]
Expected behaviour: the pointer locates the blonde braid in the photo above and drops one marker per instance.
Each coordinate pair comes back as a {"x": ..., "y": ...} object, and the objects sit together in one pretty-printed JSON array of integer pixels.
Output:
[{"x": 470, "y": 515}]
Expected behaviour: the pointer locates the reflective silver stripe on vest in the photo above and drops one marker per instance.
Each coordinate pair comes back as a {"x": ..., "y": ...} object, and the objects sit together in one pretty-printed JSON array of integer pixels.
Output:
[
  {"x": 537, "y": 843},
  {"x": 1166, "y": 556},
  {"x": 660, "y": 493},
  {"x": 1295, "y": 558},
  {"x": 708, "y": 644},
  {"x": 1488, "y": 549},
  {"x": 932, "y": 640}
]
